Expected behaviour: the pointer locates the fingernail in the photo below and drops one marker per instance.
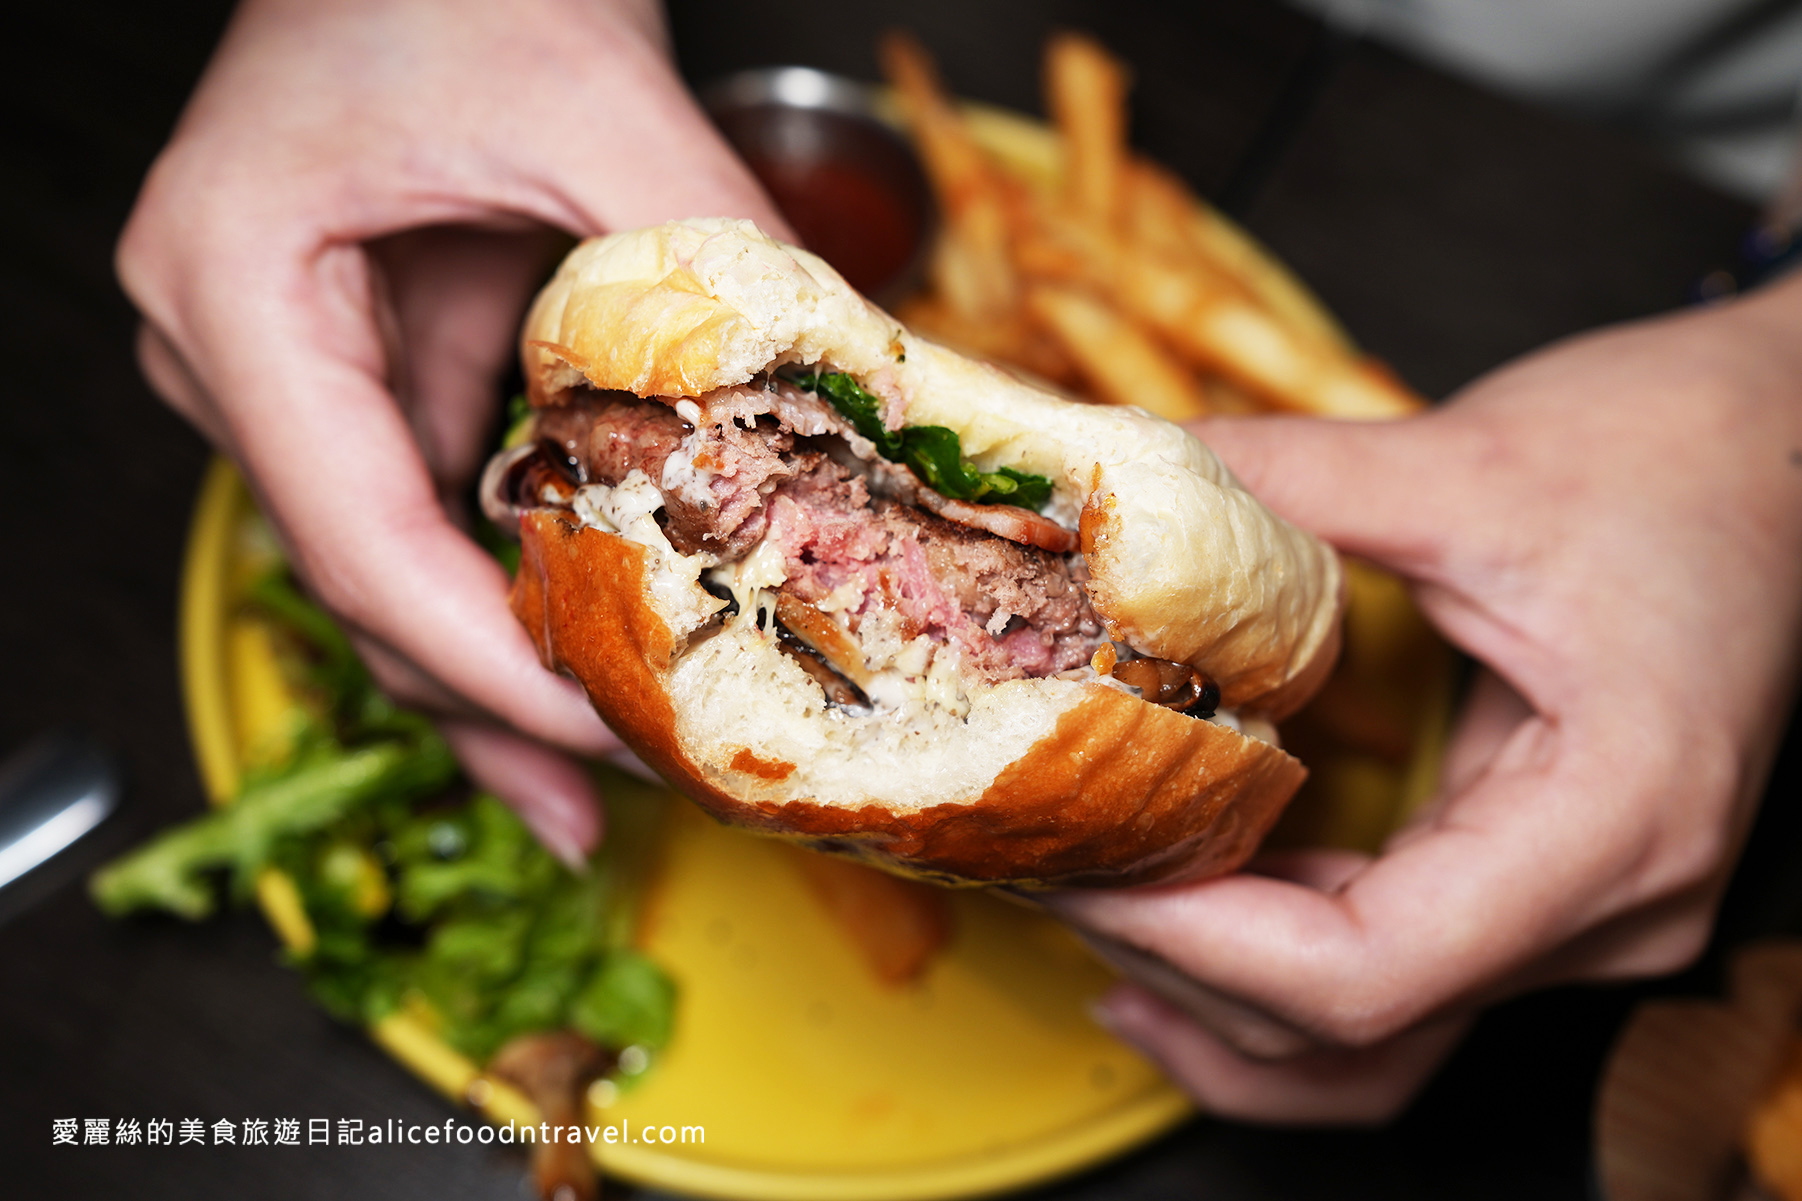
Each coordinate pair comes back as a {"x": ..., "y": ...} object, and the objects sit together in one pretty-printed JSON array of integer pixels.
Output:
[
  {"x": 561, "y": 844},
  {"x": 1115, "y": 1014},
  {"x": 1122, "y": 1010},
  {"x": 1022, "y": 898}
]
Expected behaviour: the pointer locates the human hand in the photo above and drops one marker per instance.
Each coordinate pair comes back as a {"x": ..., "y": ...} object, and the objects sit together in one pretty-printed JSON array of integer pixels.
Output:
[
  {"x": 332, "y": 256},
  {"x": 1613, "y": 528}
]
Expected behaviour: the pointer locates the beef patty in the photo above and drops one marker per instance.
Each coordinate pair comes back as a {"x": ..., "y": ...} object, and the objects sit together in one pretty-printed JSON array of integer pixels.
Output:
[{"x": 744, "y": 464}]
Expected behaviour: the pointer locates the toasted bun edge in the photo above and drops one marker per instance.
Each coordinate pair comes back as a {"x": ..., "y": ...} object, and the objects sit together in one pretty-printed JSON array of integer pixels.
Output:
[
  {"x": 1185, "y": 564},
  {"x": 1119, "y": 792}
]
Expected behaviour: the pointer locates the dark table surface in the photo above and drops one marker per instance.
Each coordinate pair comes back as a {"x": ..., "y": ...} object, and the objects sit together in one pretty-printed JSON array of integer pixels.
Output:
[{"x": 1449, "y": 228}]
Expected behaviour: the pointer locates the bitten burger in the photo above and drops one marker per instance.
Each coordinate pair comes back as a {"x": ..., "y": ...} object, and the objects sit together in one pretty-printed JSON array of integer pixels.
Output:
[{"x": 842, "y": 585}]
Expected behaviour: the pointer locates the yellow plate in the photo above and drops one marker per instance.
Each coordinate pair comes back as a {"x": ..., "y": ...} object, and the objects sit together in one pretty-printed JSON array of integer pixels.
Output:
[{"x": 810, "y": 1079}]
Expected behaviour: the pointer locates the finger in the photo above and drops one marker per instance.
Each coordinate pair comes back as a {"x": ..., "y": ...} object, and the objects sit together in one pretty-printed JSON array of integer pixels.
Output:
[
  {"x": 1323, "y": 869},
  {"x": 458, "y": 296},
  {"x": 1362, "y": 1087},
  {"x": 1653, "y": 940},
  {"x": 1350, "y": 482},
  {"x": 1491, "y": 714},
  {"x": 629, "y": 762},
  {"x": 341, "y": 476},
  {"x": 1359, "y": 485},
  {"x": 551, "y": 793},
  {"x": 1544, "y": 845},
  {"x": 405, "y": 684},
  {"x": 1249, "y": 1031},
  {"x": 170, "y": 379},
  {"x": 684, "y": 168}
]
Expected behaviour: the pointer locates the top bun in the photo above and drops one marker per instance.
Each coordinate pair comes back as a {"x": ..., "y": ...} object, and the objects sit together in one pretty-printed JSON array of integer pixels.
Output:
[{"x": 1184, "y": 563}]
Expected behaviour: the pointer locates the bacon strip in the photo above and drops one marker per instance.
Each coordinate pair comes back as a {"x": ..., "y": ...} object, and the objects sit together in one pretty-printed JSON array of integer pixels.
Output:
[{"x": 1004, "y": 521}]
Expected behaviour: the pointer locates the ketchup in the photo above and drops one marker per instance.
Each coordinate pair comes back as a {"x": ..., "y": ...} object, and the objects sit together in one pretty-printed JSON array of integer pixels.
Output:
[{"x": 844, "y": 215}]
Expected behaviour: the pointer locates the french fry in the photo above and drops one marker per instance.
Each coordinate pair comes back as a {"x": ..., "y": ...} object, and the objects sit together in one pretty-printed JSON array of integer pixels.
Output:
[
  {"x": 976, "y": 284},
  {"x": 970, "y": 267},
  {"x": 1013, "y": 343},
  {"x": 1227, "y": 399},
  {"x": 1118, "y": 360},
  {"x": 1161, "y": 220},
  {"x": 1085, "y": 92},
  {"x": 896, "y": 925},
  {"x": 1157, "y": 210},
  {"x": 1163, "y": 214},
  {"x": 1773, "y": 1134},
  {"x": 1209, "y": 318},
  {"x": 1132, "y": 236},
  {"x": 1223, "y": 332}
]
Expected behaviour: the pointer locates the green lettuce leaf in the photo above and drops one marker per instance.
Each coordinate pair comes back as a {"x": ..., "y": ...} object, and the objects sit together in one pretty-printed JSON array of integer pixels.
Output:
[
  {"x": 933, "y": 452},
  {"x": 413, "y": 886},
  {"x": 319, "y": 788},
  {"x": 627, "y": 1000}
]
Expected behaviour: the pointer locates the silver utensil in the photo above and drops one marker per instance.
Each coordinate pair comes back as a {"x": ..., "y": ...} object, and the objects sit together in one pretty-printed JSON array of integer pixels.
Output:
[{"x": 53, "y": 790}]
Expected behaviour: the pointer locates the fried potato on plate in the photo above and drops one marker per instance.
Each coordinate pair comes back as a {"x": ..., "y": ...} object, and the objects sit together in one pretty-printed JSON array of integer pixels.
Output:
[
  {"x": 1119, "y": 361},
  {"x": 970, "y": 266},
  {"x": 1085, "y": 90}
]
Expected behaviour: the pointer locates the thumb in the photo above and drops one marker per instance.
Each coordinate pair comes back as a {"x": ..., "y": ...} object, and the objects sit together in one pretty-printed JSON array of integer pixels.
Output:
[
  {"x": 1380, "y": 490},
  {"x": 645, "y": 153}
]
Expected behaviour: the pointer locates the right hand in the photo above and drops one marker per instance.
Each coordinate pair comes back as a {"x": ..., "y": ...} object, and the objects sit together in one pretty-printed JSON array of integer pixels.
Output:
[
  {"x": 1612, "y": 527},
  {"x": 332, "y": 257}
]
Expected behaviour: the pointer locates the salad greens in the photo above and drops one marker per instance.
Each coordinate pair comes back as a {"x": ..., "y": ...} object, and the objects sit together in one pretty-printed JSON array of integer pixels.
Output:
[
  {"x": 934, "y": 452},
  {"x": 318, "y": 791},
  {"x": 417, "y": 890}
]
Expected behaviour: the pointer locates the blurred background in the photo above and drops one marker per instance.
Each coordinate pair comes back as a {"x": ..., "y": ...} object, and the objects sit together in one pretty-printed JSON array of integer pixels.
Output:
[
  {"x": 1711, "y": 84},
  {"x": 1459, "y": 182}
]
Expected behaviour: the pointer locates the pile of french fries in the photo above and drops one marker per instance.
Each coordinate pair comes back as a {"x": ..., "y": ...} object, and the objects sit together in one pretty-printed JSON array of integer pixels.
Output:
[
  {"x": 1063, "y": 255},
  {"x": 1110, "y": 278}
]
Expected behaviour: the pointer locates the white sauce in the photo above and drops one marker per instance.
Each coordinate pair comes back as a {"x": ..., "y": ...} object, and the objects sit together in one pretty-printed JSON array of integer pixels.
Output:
[
  {"x": 944, "y": 681},
  {"x": 680, "y": 475},
  {"x": 847, "y": 595},
  {"x": 749, "y": 579},
  {"x": 629, "y": 510}
]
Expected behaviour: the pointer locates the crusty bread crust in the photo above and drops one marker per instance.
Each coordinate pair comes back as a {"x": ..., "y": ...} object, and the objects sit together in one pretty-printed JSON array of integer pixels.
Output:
[
  {"x": 1184, "y": 563},
  {"x": 1116, "y": 792},
  {"x": 1041, "y": 782}
]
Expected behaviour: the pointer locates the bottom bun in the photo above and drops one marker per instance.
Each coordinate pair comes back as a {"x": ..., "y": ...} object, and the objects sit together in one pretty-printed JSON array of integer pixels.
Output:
[{"x": 1043, "y": 783}]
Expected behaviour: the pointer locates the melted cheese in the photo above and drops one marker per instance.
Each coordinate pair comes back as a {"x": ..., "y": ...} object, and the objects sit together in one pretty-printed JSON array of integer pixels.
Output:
[
  {"x": 749, "y": 580},
  {"x": 629, "y": 509}
]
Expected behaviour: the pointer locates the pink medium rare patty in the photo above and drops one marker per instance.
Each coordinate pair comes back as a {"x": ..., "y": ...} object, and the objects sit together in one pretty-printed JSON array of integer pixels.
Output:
[{"x": 760, "y": 467}]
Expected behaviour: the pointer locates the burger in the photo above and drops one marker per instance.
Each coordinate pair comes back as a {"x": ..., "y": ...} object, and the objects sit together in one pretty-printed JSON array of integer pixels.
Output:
[{"x": 840, "y": 584}]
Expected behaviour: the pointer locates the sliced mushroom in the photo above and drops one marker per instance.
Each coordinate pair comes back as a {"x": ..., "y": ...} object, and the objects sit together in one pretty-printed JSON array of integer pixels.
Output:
[
  {"x": 824, "y": 636},
  {"x": 824, "y": 649},
  {"x": 839, "y": 691},
  {"x": 496, "y": 490},
  {"x": 1172, "y": 685},
  {"x": 554, "y": 1069},
  {"x": 525, "y": 477}
]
